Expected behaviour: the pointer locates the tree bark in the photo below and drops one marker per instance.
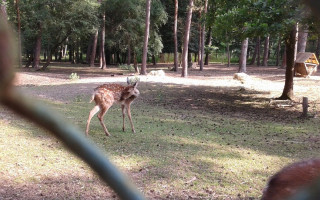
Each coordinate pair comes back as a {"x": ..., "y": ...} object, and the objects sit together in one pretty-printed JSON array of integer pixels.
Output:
[
  {"x": 318, "y": 47},
  {"x": 175, "y": 35},
  {"x": 203, "y": 35},
  {"x": 209, "y": 42},
  {"x": 94, "y": 49},
  {"x": 243, "y": 56},
  {"x": 258, "y": 51},
  {"x": 129, "y": 55},
  {"x": 302, "y": 40},
  {"x": 19, "y": 34},
  {"x": 146, "y": 39},
  {"x": 254, "y": 56},
  {"x": 266, "y": 51},
  {"x": 37, "y": 49},
  {"x": 228, "y": 55},
  {"x": 135, "y": 63},
  {"x": 186, "y": 41},
  {"x": 278, "y": 52},
  {"x": 102, "y": 42},
  {"x": 290, "y": 50}
]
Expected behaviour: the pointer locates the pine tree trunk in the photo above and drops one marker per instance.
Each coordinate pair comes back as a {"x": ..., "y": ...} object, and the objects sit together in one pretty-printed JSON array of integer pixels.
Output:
[
  {"x": 103, "y": 36},
  {"x": 19, "y": 34},
  {"x": 94, "y": 49},
  {"x": 302, "y": 40},
  {"x": 129, "y": 54},
  {"x": 254, "y": 56},
  {"x": 199, "y": 44},
  {"x": 266, "y": 51},
  {"x": 228, "y": 55},
  {"x": 203, "y": 36},
  {"x": 290, "y": 49},
  {"x": 37, "y": 49},
  {"x": 318, "y": 47},
  {"x": 243, "y": 56},
  {"x": 209, "y": 42},
  {"x": 135, "y": 63},
  {"x": 175, "y": 35},
  {"x": 258, "y": 51},
  {"x": 278, "y": 52},
  {"x": 146, "y": 39},
  {"x": 186, "y": 41}
]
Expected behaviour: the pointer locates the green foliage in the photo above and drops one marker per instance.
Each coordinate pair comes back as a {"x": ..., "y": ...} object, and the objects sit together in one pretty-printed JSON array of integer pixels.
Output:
[{"x": 127, "y": 67}]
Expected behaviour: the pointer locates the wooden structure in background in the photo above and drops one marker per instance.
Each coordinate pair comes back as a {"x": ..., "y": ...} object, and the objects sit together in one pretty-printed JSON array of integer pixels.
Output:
[{"x": 306, "y": 64}]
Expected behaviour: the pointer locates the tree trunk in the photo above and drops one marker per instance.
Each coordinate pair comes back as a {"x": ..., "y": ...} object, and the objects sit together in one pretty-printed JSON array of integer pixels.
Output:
[
  {"x": 175, "y": 35},
  {"x": 203, "y": 36},
  {"x": 135, "y": 63},
  {"x": 30, "y": 60},
  {"x": 129, "y": 55},
  {"x": 146, "y": 39},
  {"x": 266, "y": 51},
  {"x": 243, "y": 56},
  {"x": 209, "y": 42},
  {"x": 318, "y": 47},
  {"x": 290, "y": 49},
  {"x": 284, "y": 58},
  {"x": 94, "y": 49},
  {"x": 102, "y": 42},
  {"x": 89, "y": 49},
  {"x": 254, "y": 56},
  {"x": 37, "y": 49},
  {"x": 48, "y": 61},
  {"x": 258, "y": 51},
  {"x": 199, "y": 44},
  {"x": 186, "y": 41},
  {"x": 302, "y": 40},
  {"x": 19, "y": 34},
  {"x": 278, "y": 52},
  {"x": 228, "y": 54}
]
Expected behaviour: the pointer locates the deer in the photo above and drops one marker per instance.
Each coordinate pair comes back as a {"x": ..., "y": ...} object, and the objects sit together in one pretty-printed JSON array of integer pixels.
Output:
[
  {"x": 106, "y": 95},
  {"x": 288, "y": 181}
]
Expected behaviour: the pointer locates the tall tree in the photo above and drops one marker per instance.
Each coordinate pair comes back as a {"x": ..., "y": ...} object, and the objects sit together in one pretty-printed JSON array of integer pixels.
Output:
[
  {"x": 302, "y": 39},
  {"x": 175, "y": 35},
  {"x": 266, "y": 51},
  {"x": 243, "y": 56},
  {"x": 184, "y": 57},
  {"x": 146, "y": 38},
  {"x": 102, "y": 41},
  {"x": 203, "y": 36},
  {"x": 291, "y": 42},
  {"x": 19, "y": 33},
  {"x": 94, "y": 49}
]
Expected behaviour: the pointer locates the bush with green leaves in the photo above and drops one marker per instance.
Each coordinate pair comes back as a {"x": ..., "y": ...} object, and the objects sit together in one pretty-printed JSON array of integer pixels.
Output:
[{"x": 127, "y": 67}]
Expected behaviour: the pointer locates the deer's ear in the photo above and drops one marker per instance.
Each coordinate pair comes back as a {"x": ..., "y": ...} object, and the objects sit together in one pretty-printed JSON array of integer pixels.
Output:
[{"x": 135, "y": 84}]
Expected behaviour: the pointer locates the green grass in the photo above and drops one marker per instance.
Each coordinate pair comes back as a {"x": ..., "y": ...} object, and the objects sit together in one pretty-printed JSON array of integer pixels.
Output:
[{"x": 175, "y": 153}]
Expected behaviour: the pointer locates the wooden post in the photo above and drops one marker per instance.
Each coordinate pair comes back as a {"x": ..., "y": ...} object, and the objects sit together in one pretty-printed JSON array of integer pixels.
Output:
[{"x": 305, "y": 107}]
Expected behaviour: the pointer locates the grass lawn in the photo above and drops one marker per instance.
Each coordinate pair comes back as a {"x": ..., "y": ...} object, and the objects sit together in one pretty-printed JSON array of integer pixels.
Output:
[{"x": 202, "y": 142}]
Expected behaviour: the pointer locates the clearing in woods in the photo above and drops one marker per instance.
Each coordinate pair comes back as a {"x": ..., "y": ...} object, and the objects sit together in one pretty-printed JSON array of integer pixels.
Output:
[{"x": 207, "y": 136}]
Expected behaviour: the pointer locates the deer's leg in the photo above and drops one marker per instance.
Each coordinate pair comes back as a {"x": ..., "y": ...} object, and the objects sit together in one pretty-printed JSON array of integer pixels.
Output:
[
  {"x": 129, "y": 115},
  {"x": 100, "y": 116},
  {"x": 91, "y": 114},
  {"x": 123, "y": 115}
]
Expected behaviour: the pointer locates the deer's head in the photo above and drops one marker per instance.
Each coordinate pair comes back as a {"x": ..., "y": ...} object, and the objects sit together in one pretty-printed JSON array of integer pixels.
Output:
[{"x": 130, "y": 91}]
